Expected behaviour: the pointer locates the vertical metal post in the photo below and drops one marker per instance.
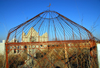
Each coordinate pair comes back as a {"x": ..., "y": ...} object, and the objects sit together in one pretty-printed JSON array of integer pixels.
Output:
[
  {"x": 65, "y": 52},
  {"x": 91, "y": 53},
  {"x": 7, "y": 66},
  {"x": 91, "y": 45}
]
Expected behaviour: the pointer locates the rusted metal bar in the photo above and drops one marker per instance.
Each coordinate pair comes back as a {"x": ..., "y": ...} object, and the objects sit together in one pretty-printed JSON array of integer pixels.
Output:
[
  {"x": 80, "y": 34},
  {"x": 12, "y": 30},
  {"x": 76, "y": 24},
  {"x": 59, "y": 32},
  {"x": 7, "y": 66},
  {"x": 62, "y": 27},
  {"x": 54, "y": 28},
  {"x": 48, "y": 42},
  {"x": 39, "y": 28},
  {"x": 65, "y": 52}
]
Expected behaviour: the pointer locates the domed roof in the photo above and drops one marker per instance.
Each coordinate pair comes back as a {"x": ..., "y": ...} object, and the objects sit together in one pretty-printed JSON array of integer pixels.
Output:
[{"x": 52, "y": 24}]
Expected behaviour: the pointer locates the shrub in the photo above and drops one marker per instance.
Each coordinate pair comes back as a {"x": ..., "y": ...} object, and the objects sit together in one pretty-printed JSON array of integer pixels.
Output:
[{"x": 17, "y": 59}]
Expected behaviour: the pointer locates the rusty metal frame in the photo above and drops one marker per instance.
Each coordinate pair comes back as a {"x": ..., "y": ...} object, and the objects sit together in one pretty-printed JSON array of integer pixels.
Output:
[
  {"x": 91, "y": 39},
  {"x": 50, "y": 42},
  {"x": 15, "y": 28}
]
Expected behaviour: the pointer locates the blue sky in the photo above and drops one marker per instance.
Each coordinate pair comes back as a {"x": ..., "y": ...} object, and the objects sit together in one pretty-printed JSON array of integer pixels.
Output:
[{"x": 15, "y": 12}]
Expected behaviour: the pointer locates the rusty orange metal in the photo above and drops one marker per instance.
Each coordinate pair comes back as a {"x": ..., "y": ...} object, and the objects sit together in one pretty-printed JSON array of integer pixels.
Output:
[{"x": 49, "y": 39}]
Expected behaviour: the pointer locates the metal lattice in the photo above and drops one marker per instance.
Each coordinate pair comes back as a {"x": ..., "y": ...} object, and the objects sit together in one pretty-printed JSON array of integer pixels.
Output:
[{"x": 50, "y": 40}]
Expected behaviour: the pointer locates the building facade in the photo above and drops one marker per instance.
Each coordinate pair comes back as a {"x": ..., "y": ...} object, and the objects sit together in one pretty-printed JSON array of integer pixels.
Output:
[
  {"x": 2, "y": 47},
  {"x": 31, "y": 36}
]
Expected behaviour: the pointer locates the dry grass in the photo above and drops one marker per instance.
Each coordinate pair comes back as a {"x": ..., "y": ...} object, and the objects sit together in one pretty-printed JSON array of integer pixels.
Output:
[
  {"x": 14, "y": 60},
  {"x": 55, "y": 57},
  {"x": 17, "y": 59},
  {"x": 78, "y": 57},
  {"x": 1, "y": 60}
]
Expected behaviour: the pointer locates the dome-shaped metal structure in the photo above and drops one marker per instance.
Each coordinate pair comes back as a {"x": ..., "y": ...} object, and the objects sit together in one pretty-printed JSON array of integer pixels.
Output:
[
  {"x": 52, "y": 25},
  {"x": 50, "y": 40}
]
